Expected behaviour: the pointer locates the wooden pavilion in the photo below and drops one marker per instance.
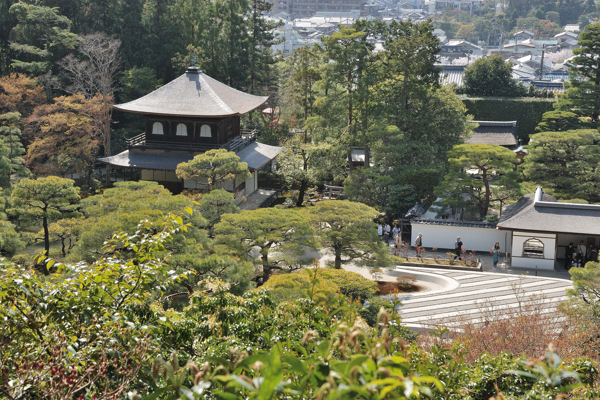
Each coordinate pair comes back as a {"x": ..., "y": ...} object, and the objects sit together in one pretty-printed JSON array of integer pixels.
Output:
[{"x": 188, "y": 116}]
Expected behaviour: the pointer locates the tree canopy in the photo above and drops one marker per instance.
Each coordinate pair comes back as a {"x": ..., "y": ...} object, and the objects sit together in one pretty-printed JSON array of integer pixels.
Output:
[
  {"x": 213, "y": 169},
  {"x": 566, "y": 163},
  {"x": 479, "y": 175},
  {"x": 491, "y": 77}
]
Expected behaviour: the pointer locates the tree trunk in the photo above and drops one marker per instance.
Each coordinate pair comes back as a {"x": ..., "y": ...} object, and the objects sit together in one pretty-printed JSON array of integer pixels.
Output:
[
  {"x": 266, "y": 268},
  {"x": 338, "y": 257},
  {"x": 486, "y": 199},
  {"x": 107, "y": 151},
  {"x": 46, "y": 236},
  {"x": 303, "y": 186}
]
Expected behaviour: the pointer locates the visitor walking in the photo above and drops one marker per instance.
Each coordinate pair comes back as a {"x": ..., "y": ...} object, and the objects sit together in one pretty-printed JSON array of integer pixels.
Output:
[
  {"x": 395, "y": 231},
  {"x": 569, "y": 253},
  {"x": 386, "y": 233},
  {"x": 419, "y": 244},
  {"x": 458, "y": 247},
  {"x": 380, "y": 230},
  {"x": 496, "y": 253}
]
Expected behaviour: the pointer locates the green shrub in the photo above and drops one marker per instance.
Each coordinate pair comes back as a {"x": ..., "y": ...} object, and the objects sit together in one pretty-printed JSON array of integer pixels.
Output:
[
  {"x": 289, "y": 287},
  {"x": 370, "y": 312},
  {"x": 351, "y": 284}
]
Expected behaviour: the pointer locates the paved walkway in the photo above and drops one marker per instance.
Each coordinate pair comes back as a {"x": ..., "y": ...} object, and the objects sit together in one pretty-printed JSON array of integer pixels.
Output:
[{"x": 468, "y": 294}]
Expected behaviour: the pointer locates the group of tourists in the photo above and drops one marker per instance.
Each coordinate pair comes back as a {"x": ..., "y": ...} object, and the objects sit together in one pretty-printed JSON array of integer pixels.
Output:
[
  {"x": 386, "y": 232},
  {"x": 578, "y": 256}
]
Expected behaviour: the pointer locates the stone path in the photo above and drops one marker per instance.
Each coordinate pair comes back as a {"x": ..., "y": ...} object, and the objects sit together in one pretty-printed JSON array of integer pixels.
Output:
[{"x": 467, "y": 294}]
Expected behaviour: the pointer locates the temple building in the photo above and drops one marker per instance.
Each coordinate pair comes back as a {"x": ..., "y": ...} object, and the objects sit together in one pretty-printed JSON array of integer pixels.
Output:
[{"x": 188, "y": 116}]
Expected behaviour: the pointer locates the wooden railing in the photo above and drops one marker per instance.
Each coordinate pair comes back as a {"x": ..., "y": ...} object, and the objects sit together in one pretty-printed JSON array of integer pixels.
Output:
[{"x": 246, "y": 137}]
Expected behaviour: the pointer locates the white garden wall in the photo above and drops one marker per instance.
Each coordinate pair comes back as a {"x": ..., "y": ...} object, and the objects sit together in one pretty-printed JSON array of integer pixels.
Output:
[{"x": 444, "y": 236}]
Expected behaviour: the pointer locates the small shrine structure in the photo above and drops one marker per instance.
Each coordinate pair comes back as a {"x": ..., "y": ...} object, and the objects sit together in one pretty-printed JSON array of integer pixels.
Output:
[{"x": 188, "y": 116}]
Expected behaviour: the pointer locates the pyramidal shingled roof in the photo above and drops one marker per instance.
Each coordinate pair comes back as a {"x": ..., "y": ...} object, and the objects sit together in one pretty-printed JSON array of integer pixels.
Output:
[{"x": 194, "y": 94}]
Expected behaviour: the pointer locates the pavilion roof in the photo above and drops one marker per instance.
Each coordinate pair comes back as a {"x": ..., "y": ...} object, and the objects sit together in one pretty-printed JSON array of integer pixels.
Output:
[{"x": 194, "y": 94}]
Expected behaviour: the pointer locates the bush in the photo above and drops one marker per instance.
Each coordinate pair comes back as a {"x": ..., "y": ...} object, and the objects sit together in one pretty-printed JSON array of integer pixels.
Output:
[
  {"x": 370, "y": 312},
  {"x": 351, "y": 284},
  {"x": 406, "y": 281},
  {"x": 289, "y": 287}
]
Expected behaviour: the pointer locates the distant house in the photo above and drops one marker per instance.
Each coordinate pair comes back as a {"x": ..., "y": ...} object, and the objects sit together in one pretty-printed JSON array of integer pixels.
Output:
[
  {"x": 572, "y": 28},
  {"x": 460, "y": 48},
  {"x": 451, "y": 74},
  {"x": 567, "y": 40},
  {"x": 541, "y": 228},
  {"x": 523, "y": 35}
]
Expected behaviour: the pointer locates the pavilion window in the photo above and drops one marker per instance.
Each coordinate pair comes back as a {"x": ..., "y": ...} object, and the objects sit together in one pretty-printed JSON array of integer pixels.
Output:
[
  {"x": 533, "y": 248},
  {"x": 181, "y": 130},
  {"x": 157, "y": 128},
  {"x": 205, "y": 131}
]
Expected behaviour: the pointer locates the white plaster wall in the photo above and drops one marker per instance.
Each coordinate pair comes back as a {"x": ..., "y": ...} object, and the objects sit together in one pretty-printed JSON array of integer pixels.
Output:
[
  {"x": 250, "y": 187},
  {"x": 191, "y": 184},
  {"x": 443, "y": 237},
  {"x": 165, "y": 176},
  {"x": 519, "y": 238}
]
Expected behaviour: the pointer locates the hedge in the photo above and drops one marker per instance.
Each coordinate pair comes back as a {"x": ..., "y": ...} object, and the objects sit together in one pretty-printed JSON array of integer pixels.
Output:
[{"x": 527, "y": 111}]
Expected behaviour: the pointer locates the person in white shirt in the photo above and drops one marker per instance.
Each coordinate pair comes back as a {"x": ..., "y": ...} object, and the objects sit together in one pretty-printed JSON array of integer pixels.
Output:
[
  {"x": 395, "y": 231},
  {"x": 380, "y": 230},
  {"x": 386, "y": 232}
]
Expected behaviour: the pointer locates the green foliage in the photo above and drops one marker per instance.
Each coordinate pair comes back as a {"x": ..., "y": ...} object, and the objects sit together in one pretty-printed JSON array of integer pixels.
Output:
[
  {"x": 281, "y": 237},
  {"x": 216, "y": 203},
  {"x": 491, "y": 77},
  {"x": 123, "y": 207},
  {"x": 527, "y": 112},
  {"x": 213, "y": 169},
  {"x": 10, "y": 241},
  {"x": 351, "y": 284},
  {"x": 41, "y": 36},
  {"x": 347, "y": 229},
  {"x": 479, "y": 175},
  {"x": 585, "y": 74},
  {"x": 138, "y": 82},
  {"x": 586, "y": 289},
  {"x": 554, "y": 121},
  {"x": 45, "y": 200},
  {"x": 565, "y": 162},
  {"x": 370, "y": 313},
  {"x": 289, "y": 287},
  {"x": 10, "y": 135}
]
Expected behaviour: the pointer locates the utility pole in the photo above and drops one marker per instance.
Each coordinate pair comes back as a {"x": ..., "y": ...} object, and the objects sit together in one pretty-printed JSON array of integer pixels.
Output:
[{"x": 542, "y": 62}]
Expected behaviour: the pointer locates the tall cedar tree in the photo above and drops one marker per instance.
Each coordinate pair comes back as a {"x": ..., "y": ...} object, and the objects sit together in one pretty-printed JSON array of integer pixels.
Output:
[{"x": 585, "y": 74}]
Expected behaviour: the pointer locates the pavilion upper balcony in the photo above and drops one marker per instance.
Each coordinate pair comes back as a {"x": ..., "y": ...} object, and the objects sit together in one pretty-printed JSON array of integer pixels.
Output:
[{"x": 246, "y": 137}]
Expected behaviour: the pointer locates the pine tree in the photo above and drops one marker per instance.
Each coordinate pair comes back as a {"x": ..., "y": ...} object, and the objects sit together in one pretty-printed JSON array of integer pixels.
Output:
[{"x": 11, "y": 136}]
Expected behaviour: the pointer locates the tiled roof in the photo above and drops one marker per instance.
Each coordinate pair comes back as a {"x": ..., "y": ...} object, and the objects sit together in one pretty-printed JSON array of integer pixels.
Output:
[
  {"x": 454, "y": 222},
  {"x": 255, "y": 155},
  {"x": 502, "y": 133},
  {"x": 194, "y": 94},
  {"x": 452, "y": 74},
  {"x": 548, "y": 215}
]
